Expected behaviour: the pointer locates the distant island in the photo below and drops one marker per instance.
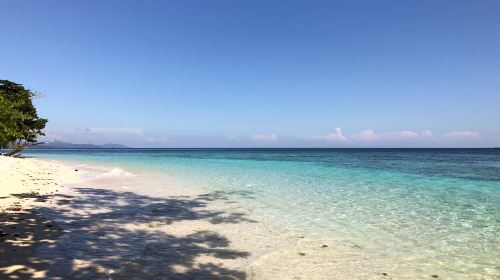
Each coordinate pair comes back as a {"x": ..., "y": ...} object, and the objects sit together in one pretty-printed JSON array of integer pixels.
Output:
[{"x": 67, "y": 145}]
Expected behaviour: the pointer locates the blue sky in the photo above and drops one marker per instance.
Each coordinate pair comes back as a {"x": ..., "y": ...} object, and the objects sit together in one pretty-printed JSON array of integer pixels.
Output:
[{"x": 259, "y": 73}]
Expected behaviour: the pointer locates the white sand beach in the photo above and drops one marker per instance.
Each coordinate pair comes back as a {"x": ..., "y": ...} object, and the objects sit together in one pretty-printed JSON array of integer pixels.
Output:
[{"x": 22, "y": 177}]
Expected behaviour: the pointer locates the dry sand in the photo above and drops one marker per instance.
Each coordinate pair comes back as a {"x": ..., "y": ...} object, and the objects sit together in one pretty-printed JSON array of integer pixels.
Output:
[{"x": 23, "y": 179}]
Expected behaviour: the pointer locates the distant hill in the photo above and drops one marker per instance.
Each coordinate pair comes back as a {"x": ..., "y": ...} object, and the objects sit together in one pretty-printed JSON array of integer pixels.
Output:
[{"x": 66, "y": 145}]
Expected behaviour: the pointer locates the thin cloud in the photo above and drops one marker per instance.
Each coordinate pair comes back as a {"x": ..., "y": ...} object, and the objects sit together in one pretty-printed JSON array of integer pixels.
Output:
[
  {"x": 427, "y": 134},
  {"x": 370, "y": 135},
  {"x": 265, "y": 137},
  {"x": 159, "y": 139},
  {"x": 336, "y": 136},
  {"x": 131, "y": 136},
  {"x": 114, "y": 130},
  {"x": 461, "y": 135}
]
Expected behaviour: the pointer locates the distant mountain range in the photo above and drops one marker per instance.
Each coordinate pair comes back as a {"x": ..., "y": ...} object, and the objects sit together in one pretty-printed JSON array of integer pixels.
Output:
[{"x": 66, "y": 145}]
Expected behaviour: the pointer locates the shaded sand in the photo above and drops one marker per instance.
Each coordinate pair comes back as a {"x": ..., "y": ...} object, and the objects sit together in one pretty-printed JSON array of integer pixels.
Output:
[
  {"x": 26, "y": 184},
  {"x": 21, "y": 234},
  {"x": 116, "y": 225}
]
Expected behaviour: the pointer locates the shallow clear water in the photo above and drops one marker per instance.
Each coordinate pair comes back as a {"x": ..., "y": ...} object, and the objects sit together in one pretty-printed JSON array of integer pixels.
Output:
[{"x": 418, "y": 206}]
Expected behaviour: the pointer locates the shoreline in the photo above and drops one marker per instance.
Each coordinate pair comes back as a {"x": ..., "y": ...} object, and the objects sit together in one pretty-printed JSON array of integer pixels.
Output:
[
  {"x": 108, "y": 223},
  {"x": 126, "y": 230}
]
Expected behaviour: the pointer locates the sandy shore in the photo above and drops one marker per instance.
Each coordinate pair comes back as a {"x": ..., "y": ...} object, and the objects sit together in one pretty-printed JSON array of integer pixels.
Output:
[
  {"x": 23, "y": 179},
  {"x": 101, "y": 223},
  {"x": 27, "y": 184}
]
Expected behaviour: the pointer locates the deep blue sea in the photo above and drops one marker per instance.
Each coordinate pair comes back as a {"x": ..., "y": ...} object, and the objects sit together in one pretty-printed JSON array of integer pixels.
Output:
[{"x": 425, "y": 206}]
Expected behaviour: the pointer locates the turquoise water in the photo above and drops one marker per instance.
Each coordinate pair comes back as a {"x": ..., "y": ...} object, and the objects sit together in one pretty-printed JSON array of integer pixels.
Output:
[{"x": 419, "y": 206}]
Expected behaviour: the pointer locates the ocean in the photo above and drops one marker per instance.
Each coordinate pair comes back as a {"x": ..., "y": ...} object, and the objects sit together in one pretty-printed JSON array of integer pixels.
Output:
[{"x": 423, "y": 208}]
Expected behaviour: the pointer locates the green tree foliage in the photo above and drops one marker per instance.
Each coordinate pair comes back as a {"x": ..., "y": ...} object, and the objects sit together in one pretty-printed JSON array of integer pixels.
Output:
[{"x": 19, "y": 122}]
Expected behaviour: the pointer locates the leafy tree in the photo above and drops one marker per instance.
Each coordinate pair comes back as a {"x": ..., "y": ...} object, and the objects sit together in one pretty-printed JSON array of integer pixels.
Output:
[{"x": 19, "y": 121}]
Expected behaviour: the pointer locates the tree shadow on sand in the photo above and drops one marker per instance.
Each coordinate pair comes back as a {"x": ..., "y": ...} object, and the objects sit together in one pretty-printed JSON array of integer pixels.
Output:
[{"x": 103, "y": 234}]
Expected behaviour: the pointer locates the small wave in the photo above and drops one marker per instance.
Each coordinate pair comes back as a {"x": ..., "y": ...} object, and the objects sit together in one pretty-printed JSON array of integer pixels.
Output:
[{"x": 113, "y": 173}]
